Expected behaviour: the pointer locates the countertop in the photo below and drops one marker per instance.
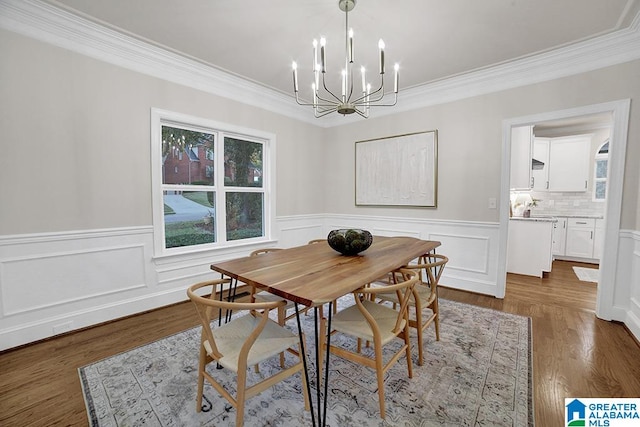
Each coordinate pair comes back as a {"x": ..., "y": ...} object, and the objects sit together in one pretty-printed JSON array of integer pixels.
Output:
[
  {"x": 553, "y": 218},
  {"x": 535, "y": 218}
]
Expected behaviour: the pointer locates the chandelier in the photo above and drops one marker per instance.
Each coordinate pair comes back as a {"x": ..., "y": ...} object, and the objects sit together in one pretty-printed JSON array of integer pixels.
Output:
[{"x": 351, "y": 100}]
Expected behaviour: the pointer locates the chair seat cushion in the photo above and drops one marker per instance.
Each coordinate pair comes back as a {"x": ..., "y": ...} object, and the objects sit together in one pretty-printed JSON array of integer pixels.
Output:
[
  {"x": 231, "y": 336},
  {"x": 351, "y": 321}
]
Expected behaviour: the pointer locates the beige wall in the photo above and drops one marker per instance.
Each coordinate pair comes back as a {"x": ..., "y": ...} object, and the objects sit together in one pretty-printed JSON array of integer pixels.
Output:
[
  {"x": 470, "y": 144},
  {"x": 75, "y": 149}
]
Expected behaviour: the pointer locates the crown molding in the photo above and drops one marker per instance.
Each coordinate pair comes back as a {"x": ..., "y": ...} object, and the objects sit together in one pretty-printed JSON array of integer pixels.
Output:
[{"x": 47, "y": 23}]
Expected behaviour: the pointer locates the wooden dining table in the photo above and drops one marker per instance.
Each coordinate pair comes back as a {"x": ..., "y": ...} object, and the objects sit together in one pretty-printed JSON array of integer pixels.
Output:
[{"x": 314, "y": 275}]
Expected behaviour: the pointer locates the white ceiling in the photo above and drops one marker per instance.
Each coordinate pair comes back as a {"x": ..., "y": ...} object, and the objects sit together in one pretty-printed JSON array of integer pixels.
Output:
[{"x": 431, "y": 40}]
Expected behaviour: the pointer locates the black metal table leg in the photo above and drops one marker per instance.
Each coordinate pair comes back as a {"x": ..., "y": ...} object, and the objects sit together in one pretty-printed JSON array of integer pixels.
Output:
[{"x": 303, "y": 354}]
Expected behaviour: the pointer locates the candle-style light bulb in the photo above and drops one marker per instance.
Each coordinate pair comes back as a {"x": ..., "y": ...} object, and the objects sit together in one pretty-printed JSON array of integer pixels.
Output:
[
  {"x": 395, "y": 80},
  {"x": 315, "y": 54},
  {"x": 364, "y": 82},
  {"x": 323, "y": 42},
  {"x": 315, "y": 95},
  {"x": 294, "y": 66},
  {"x": 344, "y": 84},
  {"x": 351, "y": 45},
  {"x": 381, "y": 47}
]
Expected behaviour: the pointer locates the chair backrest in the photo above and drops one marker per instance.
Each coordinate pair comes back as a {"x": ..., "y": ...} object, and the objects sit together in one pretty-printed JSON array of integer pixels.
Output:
[
  {"x": 205, "y": 297},
  {"x": 405, "y": 281},
  {"x": 264, "y": 251},
  {"x": 430, "y": 267}
]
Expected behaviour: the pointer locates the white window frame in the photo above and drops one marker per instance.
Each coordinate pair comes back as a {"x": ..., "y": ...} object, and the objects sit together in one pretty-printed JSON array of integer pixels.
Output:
[
  {"x": 221, "y": 130},
  {"x": 600, "y": 156}
]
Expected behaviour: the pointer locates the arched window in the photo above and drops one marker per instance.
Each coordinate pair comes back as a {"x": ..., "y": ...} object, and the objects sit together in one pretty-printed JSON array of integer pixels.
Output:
[{"x": 601, "y": 171}]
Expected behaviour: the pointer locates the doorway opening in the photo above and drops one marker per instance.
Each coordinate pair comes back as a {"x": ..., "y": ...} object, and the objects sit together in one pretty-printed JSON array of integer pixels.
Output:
[{"x": 618, "y": 111}]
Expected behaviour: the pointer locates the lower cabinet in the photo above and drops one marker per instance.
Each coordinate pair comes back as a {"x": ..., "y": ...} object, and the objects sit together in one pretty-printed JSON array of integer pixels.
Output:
[
  {"x": 580, "y": 237},
  {"x": 529, "y": 247}
]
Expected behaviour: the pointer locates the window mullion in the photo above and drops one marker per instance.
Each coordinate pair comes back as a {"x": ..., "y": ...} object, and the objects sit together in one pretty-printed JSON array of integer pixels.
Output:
[{"x": 221, "y": 206}]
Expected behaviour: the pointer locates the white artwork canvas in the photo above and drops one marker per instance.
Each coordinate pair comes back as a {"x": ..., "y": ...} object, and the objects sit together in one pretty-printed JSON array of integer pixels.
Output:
[{"x": 397, "y": 170}]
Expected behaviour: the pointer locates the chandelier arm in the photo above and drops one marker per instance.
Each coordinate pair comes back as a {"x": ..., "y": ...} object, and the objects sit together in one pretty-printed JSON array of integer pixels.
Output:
[
  {"x": 362, "y": 113},
  {"x": 395, "y": 101},
  {"x": 324, "y": 85},
  {"x": 324, "y": 113},
  {"x": 328, "y": 103}
]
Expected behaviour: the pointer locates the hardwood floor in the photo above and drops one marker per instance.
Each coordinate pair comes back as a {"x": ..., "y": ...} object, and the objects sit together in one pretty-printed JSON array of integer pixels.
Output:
[{"x": 574, "y": 353}]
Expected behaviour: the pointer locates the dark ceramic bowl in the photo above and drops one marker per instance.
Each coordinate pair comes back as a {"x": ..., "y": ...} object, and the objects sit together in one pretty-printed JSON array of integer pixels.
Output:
[{"x": 349, "y": 241}]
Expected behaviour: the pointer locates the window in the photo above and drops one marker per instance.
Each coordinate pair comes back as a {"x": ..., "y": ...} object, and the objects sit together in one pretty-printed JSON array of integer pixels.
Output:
[
  {"x": 601, "y": 171},
  {"x": 211, "y": 184}
]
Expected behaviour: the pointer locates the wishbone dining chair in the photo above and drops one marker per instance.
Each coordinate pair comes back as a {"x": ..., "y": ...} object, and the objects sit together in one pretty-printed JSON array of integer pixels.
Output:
[
  {"x": 378, "y": 324},
  {"x": 424, "y": 296},
  {"x": 250, "y": 337}
]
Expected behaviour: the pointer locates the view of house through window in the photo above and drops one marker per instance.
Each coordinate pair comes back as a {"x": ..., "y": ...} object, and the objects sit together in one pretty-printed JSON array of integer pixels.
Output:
[{"x": 212, "y": 186}]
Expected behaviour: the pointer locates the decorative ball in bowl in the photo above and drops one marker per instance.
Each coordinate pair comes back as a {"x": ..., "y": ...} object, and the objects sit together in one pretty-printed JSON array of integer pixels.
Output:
[{"x": 349, "y": 241}]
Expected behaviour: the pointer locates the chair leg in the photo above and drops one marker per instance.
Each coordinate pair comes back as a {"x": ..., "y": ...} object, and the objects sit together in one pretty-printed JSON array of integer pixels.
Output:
[
  {"x": 380, "y": 376},
  {"x": 305, "y": 389},
  {"x": 407, "y": 342},
  {"x": 242, "y": 387},
  {"x": 282, "y": 314},
  {"x": 419, "y": 333},
  {"x": 201, "y": 368},
  {"x": 436, "y": 312},
  {"x": 322, "y": 343}
]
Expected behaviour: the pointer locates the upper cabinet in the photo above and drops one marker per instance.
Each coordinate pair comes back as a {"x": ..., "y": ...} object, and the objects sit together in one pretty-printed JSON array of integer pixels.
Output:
[
  {"x": 552, "y": 164},
  {"x": 521, "y": 144},
  {"x": 540, "y": 164},
  {"x": 569, "y": 163}
]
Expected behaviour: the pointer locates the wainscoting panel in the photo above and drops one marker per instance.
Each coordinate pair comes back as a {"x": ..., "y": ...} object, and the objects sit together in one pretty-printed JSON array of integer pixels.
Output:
[
  {"x": 57, "y": 282},
  {"x": 42, "y": 281},
  {"x": 299, "y": 230},
  {"x": 472, "y": 247},
  {"x": 632, "y": 318},
  {"x": 473, "y": 250}
]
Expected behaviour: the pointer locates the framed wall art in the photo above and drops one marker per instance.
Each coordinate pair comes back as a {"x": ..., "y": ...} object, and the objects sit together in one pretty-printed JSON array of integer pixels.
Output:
[{"x": 398, "y": 170}]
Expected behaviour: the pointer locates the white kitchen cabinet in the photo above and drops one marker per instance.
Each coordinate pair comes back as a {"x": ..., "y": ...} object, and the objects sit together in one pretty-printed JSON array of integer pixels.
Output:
[
  {"x": 569, "y": 163},
  {"x": 529, "y": 246},
  {"x": 521, "y": 143},
  {"x": 559, "y": 237},
  {"x": 580, "y": 237},
  {"x": 540, "y": 164}
]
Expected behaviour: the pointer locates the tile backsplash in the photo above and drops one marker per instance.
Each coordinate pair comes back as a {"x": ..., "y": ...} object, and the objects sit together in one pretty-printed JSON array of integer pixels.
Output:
[{"x": 559, "y": 204}]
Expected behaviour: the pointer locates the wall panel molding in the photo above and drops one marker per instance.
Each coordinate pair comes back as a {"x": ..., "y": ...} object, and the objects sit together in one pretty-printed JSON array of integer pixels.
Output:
[{"x": 143, "y": 283}]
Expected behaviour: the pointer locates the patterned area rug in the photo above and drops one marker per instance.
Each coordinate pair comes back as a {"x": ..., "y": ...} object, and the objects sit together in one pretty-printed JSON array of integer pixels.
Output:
[
  {"x": 587, "y": 274},
  {"x": 479, "y": 373}
]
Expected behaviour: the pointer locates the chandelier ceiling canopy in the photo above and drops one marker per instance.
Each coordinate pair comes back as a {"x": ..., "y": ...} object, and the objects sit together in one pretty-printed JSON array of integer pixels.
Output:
[{"x": 351, "y": 99}]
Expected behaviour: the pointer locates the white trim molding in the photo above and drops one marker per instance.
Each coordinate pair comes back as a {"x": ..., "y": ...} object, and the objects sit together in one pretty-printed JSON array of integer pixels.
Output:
[
  {"x": 609, "y": 269},
  {"x": 49, "y": 24}
]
